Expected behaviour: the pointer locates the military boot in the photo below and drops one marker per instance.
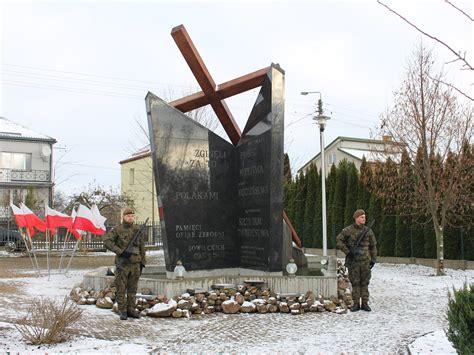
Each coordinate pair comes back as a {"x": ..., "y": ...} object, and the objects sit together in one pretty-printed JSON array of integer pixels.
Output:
[
  {"x": 133, "y": 314},
  {"x": 365, "y": 306},
  {"x": 355, "y": 307},
  {"x": 123, "y": 315}
]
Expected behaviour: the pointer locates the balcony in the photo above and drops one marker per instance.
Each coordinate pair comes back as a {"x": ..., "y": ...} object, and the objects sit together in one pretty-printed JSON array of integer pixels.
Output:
[{"x": 12, "y": 175}]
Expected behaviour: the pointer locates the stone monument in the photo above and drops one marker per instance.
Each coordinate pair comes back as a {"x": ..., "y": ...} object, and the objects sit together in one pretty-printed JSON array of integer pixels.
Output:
[{"x": 221, "y": 204}]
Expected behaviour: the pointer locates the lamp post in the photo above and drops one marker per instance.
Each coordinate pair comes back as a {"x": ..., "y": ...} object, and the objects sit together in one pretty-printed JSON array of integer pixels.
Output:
[{"x": 321, "y": 119}]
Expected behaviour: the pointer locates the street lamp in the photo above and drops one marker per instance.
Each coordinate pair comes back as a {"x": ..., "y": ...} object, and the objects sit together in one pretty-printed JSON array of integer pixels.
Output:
[{"x": 321, "y": 119}]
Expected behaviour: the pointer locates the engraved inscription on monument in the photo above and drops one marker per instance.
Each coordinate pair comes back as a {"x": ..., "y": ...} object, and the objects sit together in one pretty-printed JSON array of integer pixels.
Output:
[{"x": 222, "y": 204}]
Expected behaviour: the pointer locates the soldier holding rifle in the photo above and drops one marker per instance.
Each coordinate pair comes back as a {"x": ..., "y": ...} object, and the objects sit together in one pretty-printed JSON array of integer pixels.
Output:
[
  {"x": 358, "y": 243},
  {"x": 126, "y": 241}
]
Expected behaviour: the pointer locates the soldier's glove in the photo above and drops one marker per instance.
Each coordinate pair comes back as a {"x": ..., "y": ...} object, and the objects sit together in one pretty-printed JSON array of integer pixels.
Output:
[
  {"x": 371, "y": 265},
  {"x": 125, "y": 254},
  {"x": 141, "y": 268}
]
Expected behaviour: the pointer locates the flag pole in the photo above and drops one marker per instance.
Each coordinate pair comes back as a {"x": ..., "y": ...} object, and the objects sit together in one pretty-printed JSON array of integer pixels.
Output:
[
  {"x": 68, "y": 233},
  {"x": 33, "y": 251},
  {"x": 47, "y": 252},
  {"x": 72, "y": 255},
  {"x": 22, "y": 233}
]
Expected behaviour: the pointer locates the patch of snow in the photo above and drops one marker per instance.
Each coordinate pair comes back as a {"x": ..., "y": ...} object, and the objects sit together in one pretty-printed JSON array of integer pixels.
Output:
[
  {"x": 433, "y": 343},
  {"x": 408, "y": 303}
]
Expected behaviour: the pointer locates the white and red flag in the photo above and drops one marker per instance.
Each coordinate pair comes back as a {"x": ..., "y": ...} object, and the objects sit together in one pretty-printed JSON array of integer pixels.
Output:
[
  {"x": 85, "y": 221},
  {"x": 32, "y": 220},
  {"x": 19, "y": 216},
  {"x": 99, "y": 220},
  {"x": 75, "y": 232},
  {"x": 55, "y": 219}
]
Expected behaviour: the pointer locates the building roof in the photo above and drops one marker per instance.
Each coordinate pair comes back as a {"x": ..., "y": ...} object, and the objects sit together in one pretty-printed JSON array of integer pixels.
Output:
[
  {"x": 15, "y": 131},
  {"x": 356, "y": 153},
  {"x": 141, "y": 153}
]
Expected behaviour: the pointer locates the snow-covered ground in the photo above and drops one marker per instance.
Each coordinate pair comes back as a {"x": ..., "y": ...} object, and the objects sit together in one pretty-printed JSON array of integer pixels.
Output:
[{"x": 408, "y": 312}]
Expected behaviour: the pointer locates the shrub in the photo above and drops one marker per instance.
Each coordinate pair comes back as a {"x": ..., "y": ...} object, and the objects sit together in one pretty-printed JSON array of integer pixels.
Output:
[
  {"x": 47, "y": 321},
  {"x": 461, "y": 319}
]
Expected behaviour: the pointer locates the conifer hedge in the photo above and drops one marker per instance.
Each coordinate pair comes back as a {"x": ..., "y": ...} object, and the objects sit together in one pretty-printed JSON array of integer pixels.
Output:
[
  {"x": 400, "y": 230},
  {"x": 461, "y": 319}
]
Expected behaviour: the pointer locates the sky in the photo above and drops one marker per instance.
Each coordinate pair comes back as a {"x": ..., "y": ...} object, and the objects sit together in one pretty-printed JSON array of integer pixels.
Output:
[{"x": 78, "y": 71}]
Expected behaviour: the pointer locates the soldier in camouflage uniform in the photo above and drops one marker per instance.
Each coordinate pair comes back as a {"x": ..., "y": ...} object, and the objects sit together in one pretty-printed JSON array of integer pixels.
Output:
[
  {"x": 128, "y": 267},
  {"x": 360, "y": 268}
]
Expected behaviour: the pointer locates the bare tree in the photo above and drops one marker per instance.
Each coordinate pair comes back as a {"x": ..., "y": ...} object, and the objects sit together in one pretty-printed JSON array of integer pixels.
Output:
[
  {"x": 141, "y": 143},
  {"x": 109, "y": 201},
  {"x": 430, "y": 121},
  {"x": 459, "y": 55}
]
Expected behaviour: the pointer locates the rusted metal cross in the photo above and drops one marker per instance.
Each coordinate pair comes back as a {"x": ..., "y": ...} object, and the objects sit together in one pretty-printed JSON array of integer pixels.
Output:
[
  {"x": 211, "y": 93},
  {"x": 214, "y": 95}
]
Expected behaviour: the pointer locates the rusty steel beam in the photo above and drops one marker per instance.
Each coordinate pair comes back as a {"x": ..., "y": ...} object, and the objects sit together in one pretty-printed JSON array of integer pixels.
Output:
[
  {"x": 214, "y": 96},
  {"x": 205, "y": 81},
  {"x": 294, "y": 235},
  {"x": 223, "y": 91},
  {"x": 193, "y": 58},
  {"x": 191, "y": 102},
  {"x": 242, "y": 84}
]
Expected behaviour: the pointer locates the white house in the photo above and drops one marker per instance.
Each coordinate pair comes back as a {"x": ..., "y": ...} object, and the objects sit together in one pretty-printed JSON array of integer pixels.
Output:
[
  {"x": 353, "y": 150},
  {"x": 26, "y": 165}
]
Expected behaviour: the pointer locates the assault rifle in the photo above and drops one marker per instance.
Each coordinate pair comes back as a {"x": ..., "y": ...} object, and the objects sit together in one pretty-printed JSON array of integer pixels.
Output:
[
  {"x": 131, "y": 248},
  {"x": 356, "y": 249}
]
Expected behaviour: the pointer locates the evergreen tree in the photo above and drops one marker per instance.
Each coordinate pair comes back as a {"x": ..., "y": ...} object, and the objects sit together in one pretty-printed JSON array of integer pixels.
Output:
[
  {"x": 300, "y": 202},
  {"x": 418, "y": 218},
  {"x": 310, "y": 205},
  {"x": 330, "y": 193},
  {"x": 30, "y": 199},
  {"x": 289, "y": 199},
  {"x": 375, "y": 204},
  {"x": 389, "y": 209},
  {"x": 457, "y": 243},
  {"x": 318, "y": 217},
  {"x": 430, "y": 234},
  {"x": 430, "y": 241},
  {"x": 365, "y": 178},
  {"x": 468, "y": 243},
  {"x": 286, "y": 169},
  {"x": 467, "y": 211},
  {"x": 452, "y": 243},
  {"x": 339, "y": 203},
  {"x": 402, "y": 237},
  {"x": 404, "y": 204},
  {"x": 418, "y": 236},
  {"x": 351, "y": 194}
]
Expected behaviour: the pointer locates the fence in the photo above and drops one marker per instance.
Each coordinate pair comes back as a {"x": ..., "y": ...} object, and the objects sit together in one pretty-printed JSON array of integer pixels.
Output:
[
  {"x": 458, "y": 243},
  {"x": 9, "y": 230}
]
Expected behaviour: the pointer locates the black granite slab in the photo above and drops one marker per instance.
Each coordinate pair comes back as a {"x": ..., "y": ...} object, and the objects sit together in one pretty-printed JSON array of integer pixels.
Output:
[
  {"x": 195, "y": 174},
  {"x": 260, "y": 188},
  {"x": 222, "y": 205}
]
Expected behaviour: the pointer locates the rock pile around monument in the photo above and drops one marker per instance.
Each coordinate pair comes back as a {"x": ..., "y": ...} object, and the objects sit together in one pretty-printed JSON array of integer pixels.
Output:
[{"x": 249, "y": 297}]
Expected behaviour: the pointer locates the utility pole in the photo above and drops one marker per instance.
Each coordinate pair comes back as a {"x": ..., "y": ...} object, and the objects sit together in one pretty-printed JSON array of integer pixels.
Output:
[{"x": 321, "y": 120}]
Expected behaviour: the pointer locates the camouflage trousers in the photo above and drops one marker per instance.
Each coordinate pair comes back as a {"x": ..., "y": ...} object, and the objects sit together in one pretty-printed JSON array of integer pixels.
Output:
[
  {"x": 126, "y": 282},
  {"x": 359, "y": 275}
]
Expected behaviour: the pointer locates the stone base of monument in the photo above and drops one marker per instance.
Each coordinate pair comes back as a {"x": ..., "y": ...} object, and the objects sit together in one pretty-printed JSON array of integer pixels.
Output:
[{"x": 155, "y": 279}]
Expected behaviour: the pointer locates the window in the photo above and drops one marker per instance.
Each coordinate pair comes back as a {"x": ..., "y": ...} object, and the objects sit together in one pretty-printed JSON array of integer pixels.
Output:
[
  {"x": 16, "y": 161},
  {"x": 332, "y": 159},
  {"x": 132, "y": 176}
]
